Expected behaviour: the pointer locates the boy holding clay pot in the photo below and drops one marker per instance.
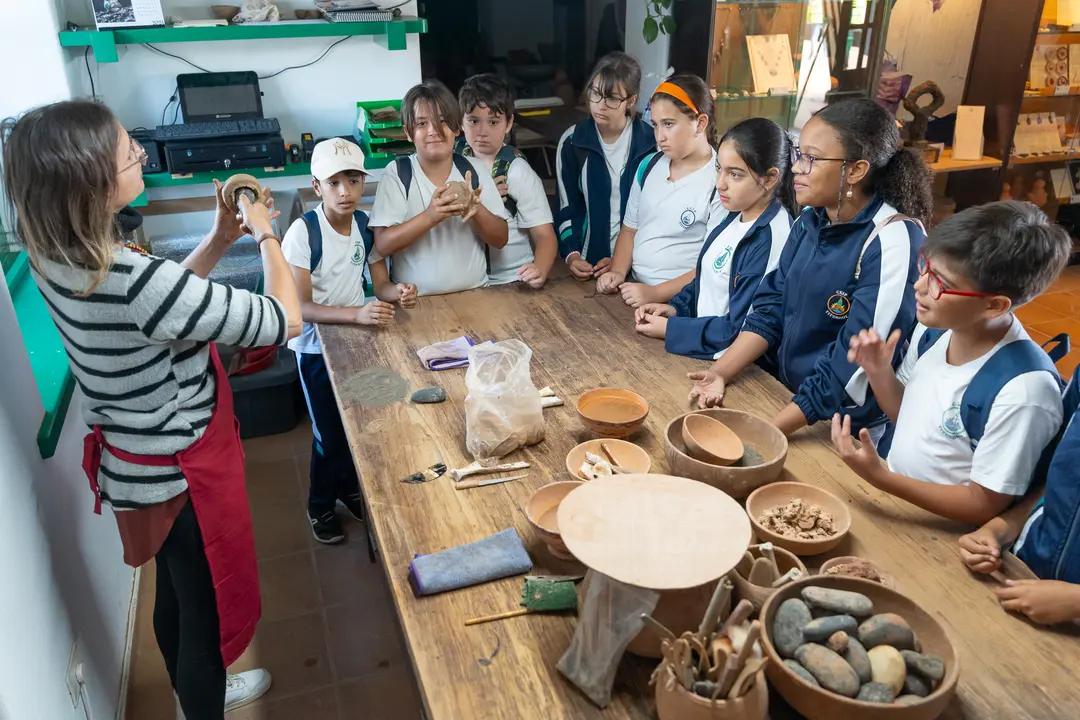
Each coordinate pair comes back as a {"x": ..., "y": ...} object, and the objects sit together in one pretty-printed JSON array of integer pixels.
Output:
[{"x": 975, "y": 402}]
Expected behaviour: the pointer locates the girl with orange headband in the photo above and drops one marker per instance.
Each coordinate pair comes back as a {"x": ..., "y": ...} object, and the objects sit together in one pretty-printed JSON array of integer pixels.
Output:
[{"x": 673, "y": 200}]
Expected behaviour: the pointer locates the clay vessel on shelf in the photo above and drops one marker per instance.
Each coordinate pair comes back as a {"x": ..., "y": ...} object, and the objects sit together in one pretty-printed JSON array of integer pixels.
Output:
[
  {"x": 611, "y": 412},
  {"x": 758, "y": 594},
  {"x": 678, "y": 703},
  {"x": 711, "y": 441},
  {"x": 628, "y": 455},
  {"x": 542, "y": 512},
  {"x": 781, "y": 493},
  {"x": 225, "y": 12}
]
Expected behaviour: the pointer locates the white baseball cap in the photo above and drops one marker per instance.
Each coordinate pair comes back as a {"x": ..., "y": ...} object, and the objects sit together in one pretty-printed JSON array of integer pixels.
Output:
[{"x": 336, "y": 155}]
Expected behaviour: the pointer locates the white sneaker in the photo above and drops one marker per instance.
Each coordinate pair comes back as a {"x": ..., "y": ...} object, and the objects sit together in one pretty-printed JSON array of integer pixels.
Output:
[{"x": 245, "y": 688}]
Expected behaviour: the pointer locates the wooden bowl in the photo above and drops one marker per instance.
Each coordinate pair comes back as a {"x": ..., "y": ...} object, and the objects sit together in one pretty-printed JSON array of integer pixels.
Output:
[
  {"x": 626, "y": 454},
  {"x": 738, "y": 482},
  {"x": 678, "y": 611},
  {"x": 308, "y": 14},
  {"x": 886, "y": 579},
  {"x": 757, "y": 594},
  {"x": 611, "y": 412},
  {"x": 680, "y": 704},
  {"x": 225, "y": 12},
  {"x": 542, "y": 511},
  {"x": 818, "y": 704},
  {"x": 711, "y": 441},
  {"x": 770, "y": 496}
]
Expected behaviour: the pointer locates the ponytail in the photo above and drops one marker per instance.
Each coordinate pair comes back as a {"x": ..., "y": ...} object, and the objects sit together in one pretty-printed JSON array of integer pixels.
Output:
[
  {"x": 764, "y": 146},
  {"x": 905, "y": 183},
  {"x": 698, "y": 93}
]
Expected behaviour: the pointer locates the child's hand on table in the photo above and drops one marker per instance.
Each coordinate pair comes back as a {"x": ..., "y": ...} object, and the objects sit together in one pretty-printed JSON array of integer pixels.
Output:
[
  {"x": 864, "y": 460},
  {"x": 635, "y": 294},
  {"x": 474, "y": 203},
  {"x": 871, "y": 353},
  {"x": 654, "y": 326},
  {"x": 981, "y": 550},
  {"x": 500, "y": 184},
  {"x": 439, "y": 209},
  {"x": 579, "y": 267},
  {"x": 653, "y": 309},
  {"x": 1044, "y": 601},
  {"x": 531, "y": 276},
  {"x": 406, "y": 295},
  {"x": 376, "y": 313},
  {"x": 609, "y": 282},
  {"x": 708, "y": 389},
  {"x": 602, "y": 266}
]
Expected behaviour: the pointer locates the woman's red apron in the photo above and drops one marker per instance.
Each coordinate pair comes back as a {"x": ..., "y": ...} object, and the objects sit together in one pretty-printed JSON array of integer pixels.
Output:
[{"x": 214, "y": 469}]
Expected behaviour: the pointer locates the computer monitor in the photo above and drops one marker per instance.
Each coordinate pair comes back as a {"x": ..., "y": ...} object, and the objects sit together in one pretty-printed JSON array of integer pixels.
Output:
[{"x": 206, "y": 97}]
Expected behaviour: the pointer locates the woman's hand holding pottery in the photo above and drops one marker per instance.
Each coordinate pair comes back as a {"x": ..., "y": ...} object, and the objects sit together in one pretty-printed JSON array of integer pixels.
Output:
[
  {"x": 1046, "y": 602},
  {"x": 981, "y": 550},
  {"x": 407, "y": 295},
  {"x": 708, "y": 389},
  {"x": 654, "y": 326},
  {"x": 863, "y": 459},
  {"x": 609, "y": 282},
  {"x": 253, "y": 218},
  {"x": 229, "y": 226},
  {"x": 871, "y": 353},
  {"x": 579, "y": 267},
  {"x": 635, "y": 294},
  {"x": 376, "y": 313},
  {"x": 654, "y": 309}
]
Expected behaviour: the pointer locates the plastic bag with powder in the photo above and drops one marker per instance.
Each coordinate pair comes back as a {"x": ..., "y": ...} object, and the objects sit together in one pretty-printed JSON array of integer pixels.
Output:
[{"x": 503, "y": 410}]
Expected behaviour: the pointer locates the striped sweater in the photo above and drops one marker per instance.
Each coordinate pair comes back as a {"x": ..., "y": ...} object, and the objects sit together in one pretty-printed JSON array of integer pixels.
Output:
[{"x": 139, "y": 349}]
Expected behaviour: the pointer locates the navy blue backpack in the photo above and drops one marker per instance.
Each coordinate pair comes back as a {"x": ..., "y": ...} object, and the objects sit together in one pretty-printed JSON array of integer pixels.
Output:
[{"x": 314, "y": 234}]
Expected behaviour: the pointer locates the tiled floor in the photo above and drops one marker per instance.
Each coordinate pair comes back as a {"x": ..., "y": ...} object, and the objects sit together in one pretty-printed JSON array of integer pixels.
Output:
[
  {"x": 328, "y": 635},
  {"x": 1055, "y": 312}
]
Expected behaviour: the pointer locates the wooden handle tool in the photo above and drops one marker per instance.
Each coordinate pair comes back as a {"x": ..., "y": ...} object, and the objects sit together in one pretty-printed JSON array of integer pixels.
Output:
[
  {"x": 500, "y": 616},
  {"x": 737, "y": 662},
  {"x": 468, "y": 484},
  {"x": 738, "y": 616},
  {"x": 745, "y": 682},
  {"x": 761, "y": 574},
  {"x": 766, "y": 550},
  {"x": 721, "y": 595},
  {"x": 790, "y": 576},
  {"x": 657, "y": 627}
]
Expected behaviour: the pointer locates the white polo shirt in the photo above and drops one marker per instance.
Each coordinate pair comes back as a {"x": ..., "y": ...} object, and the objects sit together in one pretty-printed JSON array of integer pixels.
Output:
[
  {"x": 671, "y": 219},
  {"x": 450, "y": 257},
  {"x": 533, "y": 210},
  {"x": 930, "y": 442}
]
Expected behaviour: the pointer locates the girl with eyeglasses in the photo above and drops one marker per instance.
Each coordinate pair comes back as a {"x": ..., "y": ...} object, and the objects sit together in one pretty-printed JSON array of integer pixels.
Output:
[
  {"x": 139, "y": 331},
  {"x": 849, "y": 264},
  {"x": 596, "y": 163}
]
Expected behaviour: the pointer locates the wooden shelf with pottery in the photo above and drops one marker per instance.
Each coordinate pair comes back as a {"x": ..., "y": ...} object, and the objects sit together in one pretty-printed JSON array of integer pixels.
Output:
[{"x": 946, "y": 163}]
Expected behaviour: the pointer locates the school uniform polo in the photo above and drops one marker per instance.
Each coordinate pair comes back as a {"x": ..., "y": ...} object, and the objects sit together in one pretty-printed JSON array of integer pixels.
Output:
[{"x": 533, "y": 210}]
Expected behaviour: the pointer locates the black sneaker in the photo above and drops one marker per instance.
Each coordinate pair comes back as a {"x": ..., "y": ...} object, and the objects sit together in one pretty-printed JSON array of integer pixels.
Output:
[
  {"x": 326, "y": 528},
  {"x": 355, "y": 505}
]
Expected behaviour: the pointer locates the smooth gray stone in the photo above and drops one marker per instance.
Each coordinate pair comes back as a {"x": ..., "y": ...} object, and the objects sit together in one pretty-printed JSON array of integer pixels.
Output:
[
  {"x": 788, "y": 623},
  {"x": 875, "y": 693},
  {"x": 819, "y": 630},
  {"x": 929, "y": 666},
  {"x": 429, "y": 395}
]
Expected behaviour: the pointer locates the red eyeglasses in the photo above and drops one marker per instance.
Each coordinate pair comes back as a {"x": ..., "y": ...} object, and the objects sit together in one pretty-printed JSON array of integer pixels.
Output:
[{"x": 934, "y": 282}]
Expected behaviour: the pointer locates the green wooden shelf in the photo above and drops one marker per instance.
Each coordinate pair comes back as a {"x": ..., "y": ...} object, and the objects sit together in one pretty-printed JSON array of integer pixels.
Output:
[
  {"x": 163, "y": 180},
  {"x": 104, "y": 42}
]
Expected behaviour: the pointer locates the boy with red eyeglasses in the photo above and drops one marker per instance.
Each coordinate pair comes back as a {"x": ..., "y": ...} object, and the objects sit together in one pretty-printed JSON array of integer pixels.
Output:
[{"x": 975, "y": 401}]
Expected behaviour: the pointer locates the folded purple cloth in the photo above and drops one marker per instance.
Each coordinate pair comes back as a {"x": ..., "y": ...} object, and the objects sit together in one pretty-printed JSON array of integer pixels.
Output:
[
  {"x": 496, "y": 556},
  {"x": 446, "y": 355}
]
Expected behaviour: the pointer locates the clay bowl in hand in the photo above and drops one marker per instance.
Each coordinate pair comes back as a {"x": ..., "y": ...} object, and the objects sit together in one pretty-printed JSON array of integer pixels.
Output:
[
  {"x": 678, "y": 703},
  {"x": 627, "y": 455},
  {"x": 611, "y": 412},
  {"x": 225, "y": 12},
  {"x": 760, "y": 438},
  {"x": 711, "y": 441},
  {"x": 781, "y": 493},
  {"x": 758, "y": 594},
  {"x": 818, "y": 704},
  {"x": 542, "y": 510},
  {"x": 886, "y": 579}
]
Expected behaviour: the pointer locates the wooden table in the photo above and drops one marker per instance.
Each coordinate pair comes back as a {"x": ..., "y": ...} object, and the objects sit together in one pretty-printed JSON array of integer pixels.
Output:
[{"x": 507, "y": 669}]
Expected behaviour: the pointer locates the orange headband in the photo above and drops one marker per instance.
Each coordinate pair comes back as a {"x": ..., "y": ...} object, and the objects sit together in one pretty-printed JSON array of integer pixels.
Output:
[{"x": 678, "y": 93}]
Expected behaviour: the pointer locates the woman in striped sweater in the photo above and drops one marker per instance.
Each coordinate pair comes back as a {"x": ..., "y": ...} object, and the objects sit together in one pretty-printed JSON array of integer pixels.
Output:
[{"x": 140, "y": 332}]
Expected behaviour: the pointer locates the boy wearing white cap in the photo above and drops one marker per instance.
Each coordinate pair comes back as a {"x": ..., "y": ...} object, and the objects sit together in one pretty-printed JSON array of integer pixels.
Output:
[{"x": 328, "y": 250}]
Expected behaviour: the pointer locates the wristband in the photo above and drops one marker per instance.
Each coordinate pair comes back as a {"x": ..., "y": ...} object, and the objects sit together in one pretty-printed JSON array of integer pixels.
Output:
[{"x": 266, "y": 236}]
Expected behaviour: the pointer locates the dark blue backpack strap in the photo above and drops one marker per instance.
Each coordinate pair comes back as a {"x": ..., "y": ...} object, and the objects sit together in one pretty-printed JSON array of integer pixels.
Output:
[
  {"x": 929, "y": 337},
  {"x": 464, "y": 166},
  {"x": 503, "y": 160},
  {"x": 404, "y": 173},
  {"x": 366, "y": 232},
  {"x": 1017, "y": 358},
  {"x": 314, "y": 236},
  {"x": 461, "y": 147},
  {"x": 1061, "y": 348}
]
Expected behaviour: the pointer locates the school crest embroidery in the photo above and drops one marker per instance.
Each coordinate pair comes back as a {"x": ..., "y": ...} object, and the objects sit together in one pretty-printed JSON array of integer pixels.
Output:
[
  {"x": 688, "y": 217},
  {"x": 358, "y": 253},
  {"x": 838, "y": 306},
  {"x": 951, "y": 423},
  {"x": 722, "y": 259}
]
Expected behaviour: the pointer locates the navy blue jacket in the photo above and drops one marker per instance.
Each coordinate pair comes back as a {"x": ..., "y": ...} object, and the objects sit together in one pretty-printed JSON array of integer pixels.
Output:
[
  {"x": 703, "y": 337},
  {"x": 584, "y": 217},
  {"x": 809, "y": 308}
]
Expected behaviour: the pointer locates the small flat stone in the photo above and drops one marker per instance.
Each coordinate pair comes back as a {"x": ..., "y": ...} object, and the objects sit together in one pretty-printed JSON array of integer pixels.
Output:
[
  {"x": 887, "y": 629},
  {"x": 874, "y": 692},
  {"x": 907, "y": 700},
  {"x": 795, "y": 667},
  {"x": 858, "y": 659},
  {"x": 838, "y": 601},
  {"x": 819, "y": 630},
  {"x": 929, "y": 666},
  {"x": 838, "y": 642},
  {"x": 915, "y": 685},
  {"x": 428, "y": 395},
  {"x": 887, "y": 667},
  {"x": 830, "y": 670},
  {"x": 788, "y": 623},
  {"x": 704, "y": 688}
]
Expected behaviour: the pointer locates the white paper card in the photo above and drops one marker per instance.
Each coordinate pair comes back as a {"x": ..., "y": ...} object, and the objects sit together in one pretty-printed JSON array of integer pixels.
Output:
[
  {"x": 968, "y": 136},
  {"x": 771, "y": 62},
  {"x": 127, "y": 13},
  {"x": 1062, "y": 185}
]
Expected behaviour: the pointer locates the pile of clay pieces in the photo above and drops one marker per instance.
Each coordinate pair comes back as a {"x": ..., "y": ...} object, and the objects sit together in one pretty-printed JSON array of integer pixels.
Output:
[
  {"x": 798, "y": 519},
  {"x": 832, "y": 639}
]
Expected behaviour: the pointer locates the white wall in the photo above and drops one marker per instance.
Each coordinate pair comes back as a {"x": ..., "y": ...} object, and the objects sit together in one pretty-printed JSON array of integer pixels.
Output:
[
  {"x": 934, "y": 45},
  {"x": 653, "y": 58}
]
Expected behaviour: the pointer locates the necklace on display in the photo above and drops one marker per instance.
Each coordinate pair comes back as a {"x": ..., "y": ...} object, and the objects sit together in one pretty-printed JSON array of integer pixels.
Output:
[{"x": 772, "y": 67}]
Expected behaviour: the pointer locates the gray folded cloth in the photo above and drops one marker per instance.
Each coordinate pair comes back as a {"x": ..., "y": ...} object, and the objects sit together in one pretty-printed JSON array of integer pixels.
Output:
[{"x": 496, "y": 556}]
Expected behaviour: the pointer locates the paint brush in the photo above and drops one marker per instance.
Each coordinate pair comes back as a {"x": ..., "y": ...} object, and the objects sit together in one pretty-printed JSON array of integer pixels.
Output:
[
  {"x": 469, "y": 484},
  {"x": 477, "y": 469}
]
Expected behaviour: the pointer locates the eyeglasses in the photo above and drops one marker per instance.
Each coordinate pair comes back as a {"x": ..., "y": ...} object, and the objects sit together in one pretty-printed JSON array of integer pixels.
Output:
[
  {"x": 805, "y": 163},
  {"x": 611, "y": 102},
  {"x": 934, "y": 285},
  {"x": 140, "y": 156}
]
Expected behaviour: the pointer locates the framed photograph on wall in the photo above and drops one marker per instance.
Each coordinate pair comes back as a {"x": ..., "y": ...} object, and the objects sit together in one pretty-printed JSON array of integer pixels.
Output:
[{"x": 112, "y": 14}]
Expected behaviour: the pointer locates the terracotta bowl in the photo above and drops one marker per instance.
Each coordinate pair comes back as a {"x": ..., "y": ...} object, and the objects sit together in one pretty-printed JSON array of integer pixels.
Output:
[
  {"x": 680, "y": 704},
  {"x": 818, "y": 704},
  {"x": 738, "y": 482},
  {"x": 626, "y": 454},
  {"x": 611, "y": 412},
  {"x": 886, "y": 579},
  {"x": 225, "y": 12},
  {"x": 770, "y": 496},
  {"x": 757, "y": 594},
  {"x": 678, "y": 611},
  {"x": 542, "y": 511},
  {"x": 711, "y": 441}
]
